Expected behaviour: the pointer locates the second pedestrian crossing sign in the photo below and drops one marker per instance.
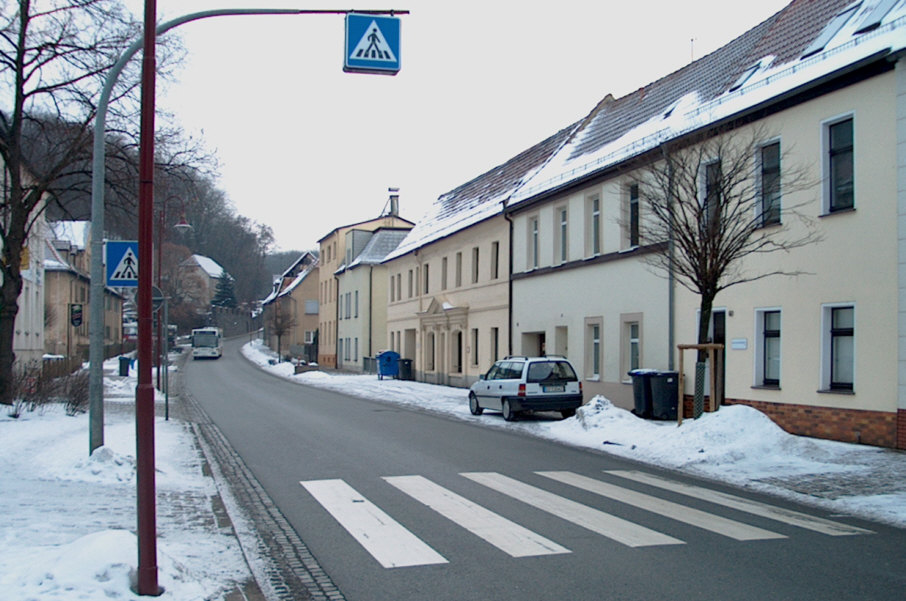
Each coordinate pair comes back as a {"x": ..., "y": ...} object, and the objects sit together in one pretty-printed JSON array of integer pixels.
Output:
[
  {"x": 372, "y": 44},
  {"x": 121, "y": 259}
]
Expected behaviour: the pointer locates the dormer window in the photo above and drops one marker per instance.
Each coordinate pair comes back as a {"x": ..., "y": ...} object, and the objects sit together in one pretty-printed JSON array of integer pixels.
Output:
[{"x": 874, "y": 18}]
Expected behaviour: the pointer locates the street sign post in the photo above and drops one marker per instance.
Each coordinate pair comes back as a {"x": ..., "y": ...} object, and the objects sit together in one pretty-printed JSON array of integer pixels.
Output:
[
  {"x": 121, "y": 263},
  {"x": 372, "y": 44}
]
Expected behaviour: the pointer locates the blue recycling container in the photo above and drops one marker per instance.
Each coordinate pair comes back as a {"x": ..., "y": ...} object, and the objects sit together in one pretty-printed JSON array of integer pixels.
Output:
[{"x": 388, "y": 364}]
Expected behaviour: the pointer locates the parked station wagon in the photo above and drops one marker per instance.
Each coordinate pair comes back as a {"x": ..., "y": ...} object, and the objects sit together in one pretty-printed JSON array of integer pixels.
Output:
[{"x": 517, "y": 384}]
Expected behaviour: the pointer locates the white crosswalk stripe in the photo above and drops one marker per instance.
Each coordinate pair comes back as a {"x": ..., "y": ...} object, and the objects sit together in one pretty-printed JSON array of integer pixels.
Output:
[
  {"x": 681, "y": 513},
  {"x": 394, "y": 546},
  {"x": 773, "y": 512},
  {"x": 612, "y": 527},
  {"x": 391, "y": 544},
  {"x": 509, "y": 537}
]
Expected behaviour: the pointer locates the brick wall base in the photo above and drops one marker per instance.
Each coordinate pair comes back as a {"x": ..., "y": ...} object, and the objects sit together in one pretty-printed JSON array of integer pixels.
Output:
[
  {"x": 901, "y": 429},
  {"x": 877, "y": 428}
]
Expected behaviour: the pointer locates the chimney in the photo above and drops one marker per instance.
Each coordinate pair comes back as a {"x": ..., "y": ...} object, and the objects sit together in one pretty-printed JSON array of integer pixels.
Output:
[{"x": 394, "y": 201}]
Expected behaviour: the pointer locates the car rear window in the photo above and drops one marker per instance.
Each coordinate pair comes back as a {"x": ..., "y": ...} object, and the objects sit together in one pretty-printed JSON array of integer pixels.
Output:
[{"x": 547, "y": 371}]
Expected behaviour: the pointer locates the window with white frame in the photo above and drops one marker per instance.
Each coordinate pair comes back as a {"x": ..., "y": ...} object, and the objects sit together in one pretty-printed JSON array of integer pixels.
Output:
[
  {"x": 458, "y": 269},
  {"x": 533, "y": 243},
  {"x": 630, "y": 343},
  {"x": 594, "y": 225},
  {"x": 767, "y": 352},
  {"x": 309, "y": 337},
  {"x": 474, "y": 346},
  {"x": 410, "y": 283},
  {"x": 443, "y": 273},
  {"x": 593, "y": 328},
  {"x": 838, "y": 347},
  {"x": 839, "y": 165},
  {"x": 769, "y": 161},
  {"x": 425, "y": 273},
  {"x": 356, "y": 304},
  {"x": 632, "y": 215},
  {"x": 561, "y": 237},
  {"x": 475, "y": 255},
  {"x": 713, "y": 180}
]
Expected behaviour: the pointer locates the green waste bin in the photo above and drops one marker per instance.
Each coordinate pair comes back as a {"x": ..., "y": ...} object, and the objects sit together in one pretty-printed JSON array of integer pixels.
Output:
[
  {"x": 641, "y": 392},
  {"x": 406, "y": 369}
]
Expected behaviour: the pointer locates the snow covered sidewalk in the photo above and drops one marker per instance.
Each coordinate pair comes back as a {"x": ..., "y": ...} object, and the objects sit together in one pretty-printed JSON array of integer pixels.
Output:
[
  {"x": 737, "y": 444},
  {"x": 68, "y": 521}
]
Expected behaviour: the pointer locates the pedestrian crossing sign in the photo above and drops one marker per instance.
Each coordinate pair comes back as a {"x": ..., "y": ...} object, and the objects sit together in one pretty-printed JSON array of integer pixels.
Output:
[
  {"x": 372, "y": 44},
  {"x": 121, "y": 263}
]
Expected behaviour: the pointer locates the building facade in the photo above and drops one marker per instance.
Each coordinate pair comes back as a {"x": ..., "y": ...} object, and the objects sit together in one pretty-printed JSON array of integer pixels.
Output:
[
  {"x": 290, "y": 312},
  {"x": 333, "y": 256}
]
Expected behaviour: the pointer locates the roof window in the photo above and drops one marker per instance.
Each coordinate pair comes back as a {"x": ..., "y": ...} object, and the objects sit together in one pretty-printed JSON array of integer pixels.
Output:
[
  {"x": 830, "y": 30},
  {"x": 874, "y": 18}
]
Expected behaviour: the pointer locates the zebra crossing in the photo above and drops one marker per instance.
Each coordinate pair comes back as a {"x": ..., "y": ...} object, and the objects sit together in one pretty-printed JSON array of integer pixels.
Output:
[{"x": 392, "y": 545}]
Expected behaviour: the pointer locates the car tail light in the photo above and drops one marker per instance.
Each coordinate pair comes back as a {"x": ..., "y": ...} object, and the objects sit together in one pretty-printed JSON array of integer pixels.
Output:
[
  {"x": 522, "y": 390},
  {"x": 580, "y": 387}
]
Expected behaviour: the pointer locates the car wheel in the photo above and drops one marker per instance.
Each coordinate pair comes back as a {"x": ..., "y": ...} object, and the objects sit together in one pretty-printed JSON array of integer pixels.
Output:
[
  {"x": 507, "y": 410},
  {"x": 568, "y": 413},
  {"x": 474, "y": 407}
]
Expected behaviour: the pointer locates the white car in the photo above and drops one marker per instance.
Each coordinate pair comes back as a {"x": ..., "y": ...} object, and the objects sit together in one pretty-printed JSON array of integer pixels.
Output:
[{"x": 518, "y": 384}]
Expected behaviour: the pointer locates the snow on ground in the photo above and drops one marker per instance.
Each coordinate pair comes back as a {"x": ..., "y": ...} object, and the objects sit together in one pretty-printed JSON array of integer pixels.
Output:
[
  {"x": 68, "y": 519},
  {"x": 737, "y": 444}
]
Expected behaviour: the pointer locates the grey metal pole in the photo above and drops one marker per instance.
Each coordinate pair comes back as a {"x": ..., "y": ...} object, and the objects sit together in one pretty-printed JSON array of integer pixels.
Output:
[{"x": 96, "y": 298}]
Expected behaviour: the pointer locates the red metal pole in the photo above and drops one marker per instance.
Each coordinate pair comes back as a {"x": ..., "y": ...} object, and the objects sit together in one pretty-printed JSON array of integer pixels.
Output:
[{"x": 144, "y": 394}]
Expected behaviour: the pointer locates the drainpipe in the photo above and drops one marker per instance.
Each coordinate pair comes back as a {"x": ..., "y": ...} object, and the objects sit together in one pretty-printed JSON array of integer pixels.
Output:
[
  {"x": 671, "y": 282},
  {"x": 509, "y": 304},
  {"x": 370, "y": 305}
]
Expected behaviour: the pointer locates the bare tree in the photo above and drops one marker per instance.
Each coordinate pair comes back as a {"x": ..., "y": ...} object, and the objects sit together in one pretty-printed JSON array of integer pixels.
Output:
[
  {"x": 281, "y": 322},
  {"x": 716, "y": 204},
  {"x": 53, "y": 54}
]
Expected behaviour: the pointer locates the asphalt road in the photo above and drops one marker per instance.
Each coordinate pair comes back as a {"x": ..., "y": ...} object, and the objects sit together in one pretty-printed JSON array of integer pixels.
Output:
[{"x": 398, "y": 505}]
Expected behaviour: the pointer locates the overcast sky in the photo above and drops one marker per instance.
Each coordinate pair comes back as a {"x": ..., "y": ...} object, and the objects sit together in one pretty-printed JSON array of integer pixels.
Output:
[{"x": 305, "y": 147}]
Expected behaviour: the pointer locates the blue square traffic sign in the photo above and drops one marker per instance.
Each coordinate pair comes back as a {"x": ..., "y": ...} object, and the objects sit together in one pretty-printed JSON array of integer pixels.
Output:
[
  {"x": 121, "y": 263},
  {"x": 372, "y": 44}
]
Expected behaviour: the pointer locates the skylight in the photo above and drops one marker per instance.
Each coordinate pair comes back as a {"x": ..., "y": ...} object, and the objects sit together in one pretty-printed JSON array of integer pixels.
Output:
[
  {"x": 832, "y": 29},
  {"x": 874, "y": 18}
]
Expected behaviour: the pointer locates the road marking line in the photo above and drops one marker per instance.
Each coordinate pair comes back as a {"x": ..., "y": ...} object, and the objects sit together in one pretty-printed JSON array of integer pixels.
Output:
[
  {"x": 391, "y": 544},
  {"x": 675, "y": 511},
  {"x": 772, "y": 512},
  {"x": 509, "y": 537},
  {"x": 605, "y": 524}
]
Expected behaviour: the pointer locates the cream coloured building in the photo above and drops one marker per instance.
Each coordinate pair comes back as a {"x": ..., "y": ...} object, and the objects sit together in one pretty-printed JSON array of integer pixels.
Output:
[
  {"x": 332, "y": 256},
  {"x": 824, "y": 86},
  {"x": 290, "y": 312},
  {"x": 448, "y": 282},
  {"x": 362, "y": 299}
]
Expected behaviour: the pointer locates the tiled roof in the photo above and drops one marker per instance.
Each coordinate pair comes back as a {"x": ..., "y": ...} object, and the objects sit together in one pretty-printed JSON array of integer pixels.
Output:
[
  {"x": 703, "y": 92},
  {"x": 479, "y": 198}
]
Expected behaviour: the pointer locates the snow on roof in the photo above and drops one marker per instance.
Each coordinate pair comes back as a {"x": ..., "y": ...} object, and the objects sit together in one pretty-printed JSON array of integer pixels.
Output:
[
  {"x": 77, "y": 233},
  {"x": 298, "y": 280},
  {"x": 763, "y": 64},
  {"x": 481, "y": 198},
  {"x": 382, "y": 243},
  {"x": 209, "y": 265}
]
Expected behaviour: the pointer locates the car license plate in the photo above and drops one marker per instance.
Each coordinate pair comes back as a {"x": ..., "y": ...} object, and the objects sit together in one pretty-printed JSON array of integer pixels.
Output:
[{"x": 553, "y": 388}]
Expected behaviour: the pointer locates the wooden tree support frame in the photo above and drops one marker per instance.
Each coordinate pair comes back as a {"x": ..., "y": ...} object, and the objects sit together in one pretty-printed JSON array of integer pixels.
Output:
[{"x": 715, "y": 356}]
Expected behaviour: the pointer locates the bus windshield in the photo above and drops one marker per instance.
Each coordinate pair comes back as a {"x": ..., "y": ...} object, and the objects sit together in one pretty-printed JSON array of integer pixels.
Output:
[{"x": 205, "y": 339}]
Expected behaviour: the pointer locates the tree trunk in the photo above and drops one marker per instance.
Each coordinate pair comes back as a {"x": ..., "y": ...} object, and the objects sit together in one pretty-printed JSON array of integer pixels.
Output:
[
  {"x": 9, "y": 308},
  {"x": 704, "y": 324}
]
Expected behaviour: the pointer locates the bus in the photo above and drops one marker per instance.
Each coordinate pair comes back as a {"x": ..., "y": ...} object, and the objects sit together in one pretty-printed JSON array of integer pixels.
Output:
[{"x": 207, "y": 343}]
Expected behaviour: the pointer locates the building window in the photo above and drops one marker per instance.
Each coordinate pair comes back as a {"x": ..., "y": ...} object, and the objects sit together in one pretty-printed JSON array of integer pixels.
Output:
[
  {"x": 355, "y": 356},
  {"x": 392, "y": 288},
  {"x": 426, "y": 279},
  {"x": 841, "y": 192},
  {"x": 594, "y": 221},
  {"x": 410, "y": 283},
  {"x": 633, "y": 345},
  {"x": 495, "y": 260},
  {"x": 474, "y": 346},
  {"x": 593, "y": 348},
  {"x": 711, "y": 209},
  {"x": 356, "y": 304},
  {"x": 495, "y": 344},
  {"x": 458, "y": 269},
  {"x": 770, "y": 183},
  {"x": 770, "y": 351},
  {"x": 399, "y": 286},
  {"x": 309, "y": 337},
  {"x": 348, "y": 305},
  {"x": 457, "y": 352},
  {"x": 632, "y": 233},
  {"x": 475, "y": 265},
  {"x": 842, "y": 348},
  {"x": 429, "y": 358},
  {"x": 443, "y": 273},
  {"x": 562, "y": 241},
  {"x": 533, "y": 243}
]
